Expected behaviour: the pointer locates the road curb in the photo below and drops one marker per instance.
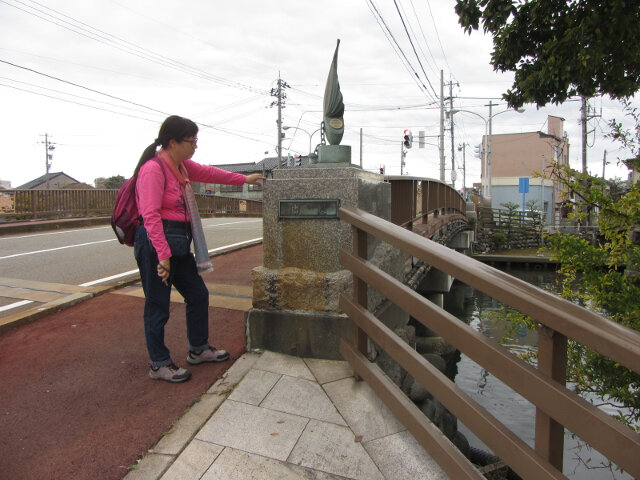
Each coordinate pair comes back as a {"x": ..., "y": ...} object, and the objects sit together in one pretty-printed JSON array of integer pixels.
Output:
[
  {"x": 36, "y": 313},
  {"x": 9, "y": 228}
]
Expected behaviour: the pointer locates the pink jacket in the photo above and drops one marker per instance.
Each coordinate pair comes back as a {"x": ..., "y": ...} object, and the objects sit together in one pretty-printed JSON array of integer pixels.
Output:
[{"x": 157, "y": 202}]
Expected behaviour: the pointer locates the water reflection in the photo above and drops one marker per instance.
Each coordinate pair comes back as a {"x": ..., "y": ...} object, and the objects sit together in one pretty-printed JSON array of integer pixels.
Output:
[{"x": 514, "y": 411}]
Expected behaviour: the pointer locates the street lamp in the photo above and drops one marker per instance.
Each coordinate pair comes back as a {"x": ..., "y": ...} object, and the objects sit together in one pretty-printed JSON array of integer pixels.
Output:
[
  {"x": 487, "y": 150},
  {"x": 302, "y": 129}
]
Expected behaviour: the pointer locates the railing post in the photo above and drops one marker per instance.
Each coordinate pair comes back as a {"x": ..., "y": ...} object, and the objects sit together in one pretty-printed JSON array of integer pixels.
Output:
[
  {"x": 360, "y": 290},
  {"x": 33, "y": 203},
  {"x": 552, "y": 361}
]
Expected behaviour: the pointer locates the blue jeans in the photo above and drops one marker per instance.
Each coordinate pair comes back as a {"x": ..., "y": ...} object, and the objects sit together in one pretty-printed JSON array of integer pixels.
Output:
[{"x": 185, "y": 277}]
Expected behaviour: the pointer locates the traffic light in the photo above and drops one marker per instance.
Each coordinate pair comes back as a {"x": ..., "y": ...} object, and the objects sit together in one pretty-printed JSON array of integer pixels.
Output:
[
  {"x": 298, "y": 160},
  {"x": 381, "y": 169},
  {"x": 408, "y": 138},
  {"x": 477, "y": 151}
]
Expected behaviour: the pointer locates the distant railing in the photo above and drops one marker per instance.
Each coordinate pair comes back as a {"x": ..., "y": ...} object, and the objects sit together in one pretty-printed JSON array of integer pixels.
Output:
[
  {"x": 520, "y": 229},
  {"x": 503, "y": 217},
  {"x": 36, "y": 204},
  {"x": 42, "y": 204},
  {"x": 214, "y": 205},
  {"x": 556, "y": 406},
  {"x": 414, "y": 199}
]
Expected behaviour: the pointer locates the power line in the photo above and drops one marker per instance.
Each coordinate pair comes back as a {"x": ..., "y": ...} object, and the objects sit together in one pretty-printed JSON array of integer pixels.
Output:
[
  {"x": 118, "y": 43},
  {"x": 435, "y": 27},
  {"x": 425, "y": 39},
  {"x": 229, "y": 132},
  {"x": 77, "y": 103},
  {"x": 364, "y": 107},
  {"x": 397, "y": 49},
  {"x": 414, "y": 48},
  {"x": 205, "y": 125},
  {"x": 81, "y": 86},
  {"x": 64, "y": 93}
]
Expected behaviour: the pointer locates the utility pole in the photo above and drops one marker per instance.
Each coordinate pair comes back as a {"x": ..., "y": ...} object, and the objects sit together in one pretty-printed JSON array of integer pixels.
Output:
[
  {"x": 360, "y": 147},
  {"x": 279, "y": 121},
  {"x": 489, "y": 141},
  {"x": 48, "y": 147},
  {"x": 604, "y": 162},
  {"x": 453, "y": 155},
  {"x": 442, "y": 126},
  {"x": 281, "y": 96},
  {"x": 463, "y": 147},
  {"x": 583, "y": 121},
  {"x": 585, "y": 116},
  {"x": 542, "y": 190},
  {"x": 402, "y": 154}
]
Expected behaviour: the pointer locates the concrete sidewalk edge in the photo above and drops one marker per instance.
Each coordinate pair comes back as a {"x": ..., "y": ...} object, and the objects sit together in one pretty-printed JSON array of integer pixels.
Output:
[
  {"x": 9, "y": 228},
  {"x": 41, "y": 311},
  {"x": 162, "y": 455}
]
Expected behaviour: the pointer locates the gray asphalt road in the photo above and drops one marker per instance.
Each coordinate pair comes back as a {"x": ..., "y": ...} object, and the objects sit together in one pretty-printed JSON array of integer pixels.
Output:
[{"x": 84, "y": 255}]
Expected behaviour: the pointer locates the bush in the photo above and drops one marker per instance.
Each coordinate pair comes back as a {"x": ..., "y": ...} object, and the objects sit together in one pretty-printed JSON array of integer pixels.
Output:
[{"x": 499, "y": 240}]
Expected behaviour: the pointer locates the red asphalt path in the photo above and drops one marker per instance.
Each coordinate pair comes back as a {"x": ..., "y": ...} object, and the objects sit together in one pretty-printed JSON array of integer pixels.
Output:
[{"x": 76, "y": 401}]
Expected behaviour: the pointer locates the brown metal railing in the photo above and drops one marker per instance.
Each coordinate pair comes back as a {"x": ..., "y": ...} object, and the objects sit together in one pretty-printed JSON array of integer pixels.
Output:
[
  {"x": 38, "y": 204},
  {"x": 214, "y": 205},
  {"x": 413, "y": 199},
  {"x": 55, "y": 203},
  {"x": 544, "y": 386}
]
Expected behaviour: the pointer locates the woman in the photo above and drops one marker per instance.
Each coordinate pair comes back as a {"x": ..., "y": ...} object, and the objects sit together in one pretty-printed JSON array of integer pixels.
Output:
[{"x": 170, "y": 220}]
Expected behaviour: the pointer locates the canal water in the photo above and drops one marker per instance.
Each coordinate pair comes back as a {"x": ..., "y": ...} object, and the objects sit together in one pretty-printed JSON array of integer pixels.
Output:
[{"x": 518, "y": 414}]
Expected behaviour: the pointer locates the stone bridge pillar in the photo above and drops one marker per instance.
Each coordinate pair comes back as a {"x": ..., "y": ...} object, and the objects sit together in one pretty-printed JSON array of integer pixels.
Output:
[{"x": 295, "y": 293}]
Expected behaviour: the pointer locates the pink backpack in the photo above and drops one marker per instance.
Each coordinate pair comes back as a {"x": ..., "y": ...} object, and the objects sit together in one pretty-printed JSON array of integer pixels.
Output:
[{"x": 125, "y": 219}]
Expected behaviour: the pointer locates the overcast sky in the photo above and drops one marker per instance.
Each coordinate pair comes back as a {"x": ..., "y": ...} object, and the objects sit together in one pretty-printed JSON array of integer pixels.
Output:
[{"x": 99, "y": 77}]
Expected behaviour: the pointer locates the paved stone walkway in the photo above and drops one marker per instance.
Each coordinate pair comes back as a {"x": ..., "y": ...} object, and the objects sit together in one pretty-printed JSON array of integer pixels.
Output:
[{"x": 274, "y": 416}]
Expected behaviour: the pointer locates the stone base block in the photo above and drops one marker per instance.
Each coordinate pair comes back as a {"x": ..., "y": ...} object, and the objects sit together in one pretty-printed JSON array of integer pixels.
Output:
[
  {"x": 302, "y": 334},
  {"x": 293, "y": 288},
  {"x": 337, "y": 154}
]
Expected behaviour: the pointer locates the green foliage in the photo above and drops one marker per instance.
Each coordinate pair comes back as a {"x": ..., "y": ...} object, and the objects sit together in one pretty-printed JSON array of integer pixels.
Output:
[
  {"x": 559, "y": 49},
  {"x": 510, "y": 206},
  {"x": 114, "y": 183},
  {"x": 532, "y": 206},
  {"x": 596, "y": 274},
  {"x": 499, "y": 239}
]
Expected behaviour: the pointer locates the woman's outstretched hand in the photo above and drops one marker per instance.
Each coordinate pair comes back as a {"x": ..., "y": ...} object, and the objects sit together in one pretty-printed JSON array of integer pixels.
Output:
[{"x": 255, "y": 179}]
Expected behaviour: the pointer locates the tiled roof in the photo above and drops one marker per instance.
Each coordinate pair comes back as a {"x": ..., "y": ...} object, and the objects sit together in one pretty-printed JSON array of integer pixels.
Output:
[
  {"x": 42, "y": 180},
  {"x": 267, "y": 164}
]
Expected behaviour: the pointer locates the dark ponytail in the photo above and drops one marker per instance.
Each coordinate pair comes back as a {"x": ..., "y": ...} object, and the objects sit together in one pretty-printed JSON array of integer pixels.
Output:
[
  {"x": 147, "y": 155},
  {"x": 173, "y": 128}
]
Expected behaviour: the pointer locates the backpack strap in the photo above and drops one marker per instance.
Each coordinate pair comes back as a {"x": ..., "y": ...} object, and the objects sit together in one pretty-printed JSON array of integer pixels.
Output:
[
  {"x": 164, "y": 172},
  {"x": 161, "y": 162}
]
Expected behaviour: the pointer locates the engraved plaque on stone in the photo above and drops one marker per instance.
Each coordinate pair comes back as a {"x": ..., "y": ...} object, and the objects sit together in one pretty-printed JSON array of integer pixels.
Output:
[{"x": 310, "y": 208}]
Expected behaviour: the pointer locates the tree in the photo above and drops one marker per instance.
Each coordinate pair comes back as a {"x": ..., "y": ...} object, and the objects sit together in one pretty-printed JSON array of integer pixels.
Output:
[
  {"x": 603, "y": 275},
  {"x": 114, "y": 183},
  {"x": 559, "y": 49}
]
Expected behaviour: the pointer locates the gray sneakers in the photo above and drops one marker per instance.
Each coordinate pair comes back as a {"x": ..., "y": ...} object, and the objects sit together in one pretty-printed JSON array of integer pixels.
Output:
[
  {"x": 170, "y": 373},
  {"x": 208, "y": 355},
  {"x": 174, "y": 374}
]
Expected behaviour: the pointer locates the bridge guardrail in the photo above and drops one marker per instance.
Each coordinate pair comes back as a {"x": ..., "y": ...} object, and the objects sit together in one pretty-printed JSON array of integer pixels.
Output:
[
  {"x": 58, "y": 203},
  {"x": 556, "y": 406},
  {"x": 414, "y": 198}
]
